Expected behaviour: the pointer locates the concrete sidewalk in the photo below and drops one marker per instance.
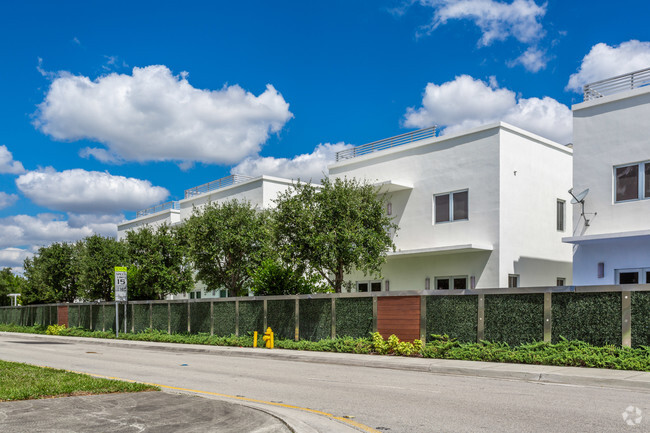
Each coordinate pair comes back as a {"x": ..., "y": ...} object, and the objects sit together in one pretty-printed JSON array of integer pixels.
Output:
[{"x": 635, "y": 380}]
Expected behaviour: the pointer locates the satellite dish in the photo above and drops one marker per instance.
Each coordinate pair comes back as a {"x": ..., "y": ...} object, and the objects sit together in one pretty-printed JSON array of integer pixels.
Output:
[{"x": 580, "y": 197}]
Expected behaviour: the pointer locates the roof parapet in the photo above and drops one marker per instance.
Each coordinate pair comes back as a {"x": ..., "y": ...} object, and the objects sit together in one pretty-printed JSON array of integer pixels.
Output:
[
  {"x": 386, "y": 143},
  {"x": 620, "y": 83},
  {"x": 216, "y": 184}
]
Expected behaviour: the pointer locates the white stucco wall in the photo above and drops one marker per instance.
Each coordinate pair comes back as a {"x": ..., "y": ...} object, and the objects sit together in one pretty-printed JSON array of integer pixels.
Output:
[
  {"x": 535, "y": 173},
  {"x": 169, "y": 217},
  {"x": 609, "y": 132}
]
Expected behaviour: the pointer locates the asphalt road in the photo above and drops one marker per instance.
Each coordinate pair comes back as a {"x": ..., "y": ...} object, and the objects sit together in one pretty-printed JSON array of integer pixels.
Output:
[{"x": 384, "y": 399}]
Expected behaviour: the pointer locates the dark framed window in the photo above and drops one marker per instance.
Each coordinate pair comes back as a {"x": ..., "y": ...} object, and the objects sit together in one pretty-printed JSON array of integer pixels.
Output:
[
  {"x": 560, "y": 215},
  {"x": 513, "y": 280},
  {"x": 627, "y": 182},
  {"x": 456, "y": 283},
  {"x": 452, "y": 206}
]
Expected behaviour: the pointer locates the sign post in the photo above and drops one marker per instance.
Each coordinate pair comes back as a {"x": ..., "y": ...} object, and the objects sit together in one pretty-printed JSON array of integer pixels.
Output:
[{"x": 120, "y": 296}]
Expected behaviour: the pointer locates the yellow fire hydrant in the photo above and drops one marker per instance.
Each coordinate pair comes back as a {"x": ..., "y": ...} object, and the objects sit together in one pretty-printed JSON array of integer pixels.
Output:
[{"x": 268, "y": 338}]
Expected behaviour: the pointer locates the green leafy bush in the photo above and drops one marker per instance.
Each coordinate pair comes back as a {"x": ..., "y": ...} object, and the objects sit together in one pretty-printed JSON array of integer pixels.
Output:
[{"x": 55, "y": 329}]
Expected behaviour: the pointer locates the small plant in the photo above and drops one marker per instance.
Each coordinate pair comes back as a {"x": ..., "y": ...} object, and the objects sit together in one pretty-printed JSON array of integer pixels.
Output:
[
  {"x": 395, "y": 347},
  {"x": 55, "y": 329}
]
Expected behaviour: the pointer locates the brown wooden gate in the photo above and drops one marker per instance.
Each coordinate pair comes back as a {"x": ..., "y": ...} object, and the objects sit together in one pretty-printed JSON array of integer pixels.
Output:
[
  {"x": 62, "y": 315},
  {"x": 399, "y": 315}
]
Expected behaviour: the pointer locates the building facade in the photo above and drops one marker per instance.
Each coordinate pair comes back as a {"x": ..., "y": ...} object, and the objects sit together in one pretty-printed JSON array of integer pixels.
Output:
[
  {"x": 611, "y": 135},
  {"x": 486, "y": 208}
]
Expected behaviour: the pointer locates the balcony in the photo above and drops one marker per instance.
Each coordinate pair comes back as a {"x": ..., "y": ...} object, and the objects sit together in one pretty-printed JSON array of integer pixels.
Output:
[
  {"x": 158, "y": 208},
  {"x": 216, "y": 184},
  {"x": 621, "y": 83},
  {"x": 386, "y": 143}
]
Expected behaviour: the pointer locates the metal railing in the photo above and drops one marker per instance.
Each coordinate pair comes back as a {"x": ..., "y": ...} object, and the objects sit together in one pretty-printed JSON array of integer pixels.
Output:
[
  {"x": 386, "y": 143},
  {"x": 216, "y": 184},
  {"x": 158, "y": 208},
  {"x": 620, "y": 83}
]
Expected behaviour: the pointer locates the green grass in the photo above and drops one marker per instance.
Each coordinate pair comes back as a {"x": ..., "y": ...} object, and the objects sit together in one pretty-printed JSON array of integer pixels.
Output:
[
  {"x": 563, "y": 353},
  {"x": 24, "y": 382}
]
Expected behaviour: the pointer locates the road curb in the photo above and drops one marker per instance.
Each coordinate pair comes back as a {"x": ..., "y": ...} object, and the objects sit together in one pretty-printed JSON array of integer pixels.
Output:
[{"x": 626, "y": 379}]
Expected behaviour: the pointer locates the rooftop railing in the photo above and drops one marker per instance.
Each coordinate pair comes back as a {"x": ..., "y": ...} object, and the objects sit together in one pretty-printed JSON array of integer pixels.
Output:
[
  {"x": 158, "y": 208},
  {"x": 620, "y": 83},
  {"x": 386, "y": 143},
  {"x": 216, "y": 184}
]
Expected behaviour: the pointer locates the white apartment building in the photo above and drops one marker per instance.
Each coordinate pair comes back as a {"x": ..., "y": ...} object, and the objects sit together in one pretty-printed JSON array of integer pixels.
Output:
[
  {"x": 611, "y": 134},
  {"x": 259, "y": 191},
  {"x": 485, "y": 208}
]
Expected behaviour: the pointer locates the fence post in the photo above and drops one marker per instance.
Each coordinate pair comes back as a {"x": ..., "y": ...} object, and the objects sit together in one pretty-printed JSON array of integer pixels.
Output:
[
  {"x": 423, "y": 319},
  {"x": 548, "y": 319},
  {"x": 169, "y": 317},
  {"x": 333, "y": 318},
  {"x": 265, "y": 311},
  {"x": 132, "y": 318},
  {"x": 480, "y": 331},
  {"x": 236, "y": 317},
  {"x": 189, "y": 317},
  {"x": 626, "y": 319},
  {"x": 374, "y": 314},
  {"x": 296, "y": 336},
  {"x": 212, "y": 317},
  {"x": 79, "y": 316},
  {"x": 103, "y": 318},
  {"x": 150, "y": 315}
]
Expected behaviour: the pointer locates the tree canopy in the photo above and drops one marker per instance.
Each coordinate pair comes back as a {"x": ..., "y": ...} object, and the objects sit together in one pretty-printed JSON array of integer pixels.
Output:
[
  {"x": 9, "y": 283},
  {"x": 335, "y": 228},
  {"x": 52, "y": 274},
  {"x": 97, "y": 260},
  {"x": 226, "y": 242}
]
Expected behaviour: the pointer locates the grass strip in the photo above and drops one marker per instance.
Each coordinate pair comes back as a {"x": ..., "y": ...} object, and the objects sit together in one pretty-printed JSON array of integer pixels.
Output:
[
  {"x": 563, "y": 353},
  {"x": 25, "y": 382}
]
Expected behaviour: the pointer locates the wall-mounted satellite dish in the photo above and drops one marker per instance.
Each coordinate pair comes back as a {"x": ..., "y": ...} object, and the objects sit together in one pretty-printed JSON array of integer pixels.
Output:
[{"x": 580, "y": 198}]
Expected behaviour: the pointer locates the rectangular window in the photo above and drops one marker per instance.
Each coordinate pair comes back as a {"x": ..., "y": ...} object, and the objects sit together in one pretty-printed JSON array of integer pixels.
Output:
[
  {"x": 513, "y": 280},
  {"x": 628, "y": 277},
  {"x": 453, "y": 206},
  {"x": 627, "y": 182},
  {"x": 375, "y": 286},
  {"x": 362, "y": 287},
  {"x": 456, "y": 283},
  {"x": 442, "y": 283},
  {"x": 442, "y": 208},
  {"x": 560, "y": 215},
  {"x": 368, "y": 286},
  {"x": 561, "y": 281}
]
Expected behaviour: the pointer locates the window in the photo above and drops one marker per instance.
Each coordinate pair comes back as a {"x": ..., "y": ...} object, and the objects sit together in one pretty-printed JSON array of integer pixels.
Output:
[
  {"x": 365, "y": 286},
  {"x": 456, "y": 283},
  {"x": 453, "y": 206},
  {"x": 513, "y": 280},
  {"x": 560, "y": 281},
  {"x": 632, "y": 182},
  {"x": 560, "y": 215},
  {"x": 633, "y": 276}
]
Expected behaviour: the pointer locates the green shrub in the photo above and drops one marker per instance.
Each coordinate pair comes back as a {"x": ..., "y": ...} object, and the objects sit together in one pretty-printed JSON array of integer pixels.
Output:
[{"x": 55, "y": 329}]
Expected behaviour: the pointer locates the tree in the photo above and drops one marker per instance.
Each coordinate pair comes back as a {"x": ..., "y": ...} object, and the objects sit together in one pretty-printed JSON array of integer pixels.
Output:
[
  {"x": 157, "y": 264},
  {"x": 334, "y": 229},
  {"x": 9, "y": 283},
  {"x": 226, "y": 242},
  {"x": 97, "y": 260},
  {"x": 273, "y": 277},
  {"x": 52, "y": 274}
]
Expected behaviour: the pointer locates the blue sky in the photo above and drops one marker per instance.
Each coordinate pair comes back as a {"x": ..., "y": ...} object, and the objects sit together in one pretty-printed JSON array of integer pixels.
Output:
[{"x": 108, "y": 108}]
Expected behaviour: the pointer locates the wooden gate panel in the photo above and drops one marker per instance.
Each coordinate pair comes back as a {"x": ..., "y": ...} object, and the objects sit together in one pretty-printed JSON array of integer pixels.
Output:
[
  {"x": 399, "y": 315},
  {"x": 62, "y": 315}
]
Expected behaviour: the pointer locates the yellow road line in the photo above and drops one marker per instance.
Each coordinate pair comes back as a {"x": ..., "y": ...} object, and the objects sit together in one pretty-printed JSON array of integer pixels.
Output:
[{"x": 363, "y": 427}]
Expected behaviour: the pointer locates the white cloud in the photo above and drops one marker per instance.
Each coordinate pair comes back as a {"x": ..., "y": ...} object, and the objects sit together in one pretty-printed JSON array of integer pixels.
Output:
[
  {"x": 497, "y": 20},
  {"x": 155, "y": 115},
  {"x": 604, "y": 61},
  {"x": 7, "y": 163},
  {"x": 7, "y": 200},
  {"x": 43, "y": 229},
  {"x": 308, "y": 166},
  {"x": 466, "y": 102},
  {"x": 84, "y": 191},
  {"x": 14, "y": 258},
  {"x": 533, "y": 59}
]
